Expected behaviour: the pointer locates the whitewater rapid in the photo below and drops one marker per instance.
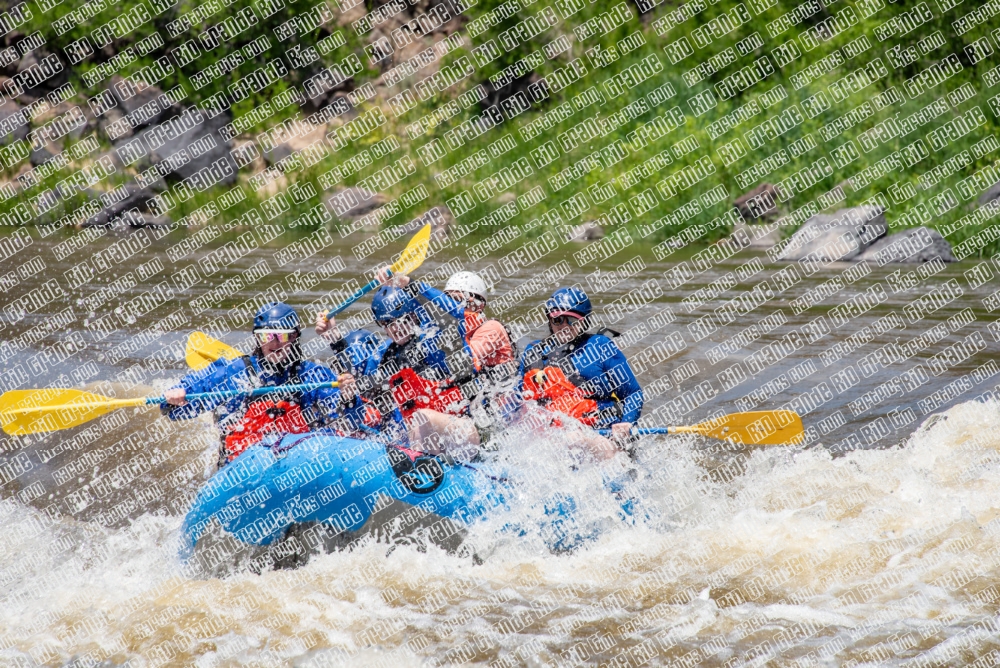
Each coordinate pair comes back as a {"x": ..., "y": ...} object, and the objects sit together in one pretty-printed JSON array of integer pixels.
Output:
[{"x": 779, "y": 556}]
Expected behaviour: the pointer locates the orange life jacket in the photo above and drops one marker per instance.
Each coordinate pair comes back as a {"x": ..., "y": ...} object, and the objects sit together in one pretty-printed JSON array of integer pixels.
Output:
[
  {"x": 263, "y": 418},
  {"x": 412, "y": 392},
  {"x": 553, "y": 390}
]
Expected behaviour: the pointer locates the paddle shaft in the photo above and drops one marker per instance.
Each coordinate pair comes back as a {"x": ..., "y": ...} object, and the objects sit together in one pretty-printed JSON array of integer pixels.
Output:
[
  {"x": 653, "y": 430},
  {"x": 148, "y": 401},
  {"x": 358, "y": 294}
]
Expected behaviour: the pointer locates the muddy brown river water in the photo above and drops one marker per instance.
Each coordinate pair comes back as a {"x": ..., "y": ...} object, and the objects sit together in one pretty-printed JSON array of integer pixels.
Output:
[{"x": 875, "y": 543}]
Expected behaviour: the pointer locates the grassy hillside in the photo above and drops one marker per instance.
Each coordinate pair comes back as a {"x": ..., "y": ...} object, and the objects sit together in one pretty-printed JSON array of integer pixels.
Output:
[{"x": 656, "y": 121}]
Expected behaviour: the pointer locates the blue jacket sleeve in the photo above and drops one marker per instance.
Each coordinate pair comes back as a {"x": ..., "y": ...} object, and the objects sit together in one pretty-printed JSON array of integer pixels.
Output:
[
  {"x": 325, "y": 400},
  {"x": 522, "y": 363},
  {"x": 221, "y": 375},
  {"x": 441, "y": 300},
  {"x": 620, "y": 380}
]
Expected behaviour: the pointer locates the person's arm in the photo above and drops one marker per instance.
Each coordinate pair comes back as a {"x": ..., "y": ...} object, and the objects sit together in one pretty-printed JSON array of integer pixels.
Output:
[
  {"x": 220, "y": 376},
  {"x": 627, "y": 390},
  {"x": 441, "y": 300},
  {"x": 327, "y": 399}
]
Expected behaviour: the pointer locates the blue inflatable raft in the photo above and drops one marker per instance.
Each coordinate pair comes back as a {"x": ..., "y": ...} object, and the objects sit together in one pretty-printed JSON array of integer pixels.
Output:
[
  {"x": 288, "y": 498},
  {"x": 279, "y": 502}
]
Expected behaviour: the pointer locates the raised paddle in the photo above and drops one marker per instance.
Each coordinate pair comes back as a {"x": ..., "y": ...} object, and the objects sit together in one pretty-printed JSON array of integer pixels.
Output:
[
  {"x": 202, "y": 350},
  {"x": 778, "y": 427},
  {"x": 409, "y": 260},
  {"x": 38, "y": 411}
]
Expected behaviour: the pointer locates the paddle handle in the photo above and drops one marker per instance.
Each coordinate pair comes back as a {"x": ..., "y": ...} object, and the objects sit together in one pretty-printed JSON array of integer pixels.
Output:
[
  {"x": 232, "y": 394},
  {"x": 358, "y": 294}
]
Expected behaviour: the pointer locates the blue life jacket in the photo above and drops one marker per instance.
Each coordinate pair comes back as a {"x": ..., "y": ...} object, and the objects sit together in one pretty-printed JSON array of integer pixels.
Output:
[{"x": 593, "y": 363}]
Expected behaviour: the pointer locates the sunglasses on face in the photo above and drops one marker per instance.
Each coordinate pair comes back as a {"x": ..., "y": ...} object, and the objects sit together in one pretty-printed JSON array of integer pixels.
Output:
[
  {"x": 467, "y": 297},
  {"x": 563, "y": 320},
  {"x": 266, "y": 336}
]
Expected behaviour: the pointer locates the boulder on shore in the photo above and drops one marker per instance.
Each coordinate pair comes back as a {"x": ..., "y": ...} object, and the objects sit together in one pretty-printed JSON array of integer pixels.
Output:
[
  {"x": 191, "y": 136},
  {"x": 587, "y": 231},
  {"x": 8, "y": 109},
  {"x": 354, "y": 202},
  {"x": 992, "y": 193},
  {"x": 840, "y": 236},
  {"x": 917, "y": 244},
  {"x": 129, "y": 196},
  {"x": 761, "y": 202}
]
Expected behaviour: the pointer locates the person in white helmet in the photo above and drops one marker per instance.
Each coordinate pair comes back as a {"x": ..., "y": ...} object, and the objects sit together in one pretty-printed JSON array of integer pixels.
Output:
[
  {"x": 487, "y": 342},
  {"x": 464, "y": 298}
]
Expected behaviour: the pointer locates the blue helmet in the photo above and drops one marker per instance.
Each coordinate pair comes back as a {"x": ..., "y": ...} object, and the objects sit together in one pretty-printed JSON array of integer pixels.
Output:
[
  {"x": 359, "y": 346},
  {"x": 391, "y": 303},
  {"x": 277, "y": 315},
  {"x": 568, "y": 300}
]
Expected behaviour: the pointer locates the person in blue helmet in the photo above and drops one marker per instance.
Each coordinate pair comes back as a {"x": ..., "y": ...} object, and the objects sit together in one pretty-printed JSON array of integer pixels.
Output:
[
  {"x": 580, "y": 373},
  {"x": 351, "y": 354},
  {"x": 276, "y": 360},
  {"x": 486, "y": 341},
  {"x": 411, "y": 372}
]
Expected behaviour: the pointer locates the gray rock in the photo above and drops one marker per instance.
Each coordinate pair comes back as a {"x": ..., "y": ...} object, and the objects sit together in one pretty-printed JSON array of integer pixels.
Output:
[
  {"x": 842, "y": 235},
  {"x": 354, "y": 202},
  {"x": 155, "y": 108},
  {"x": 112, "y": 121},
  {"x": 40, "y": 156},
  {"x": 167, "y": 148},
  {"x": 277, "y": 154},
  {"x": 7, "y": 109},
  {"x": 587, "y": 231},
  {"x": 992, "y": 193},
  {"x": 760, "y": 202},
  {"x": 134, "y": 197},
  {"x": 917, "y": 244}
]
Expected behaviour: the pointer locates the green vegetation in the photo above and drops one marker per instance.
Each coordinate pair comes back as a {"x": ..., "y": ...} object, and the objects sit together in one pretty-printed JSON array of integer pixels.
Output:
[{"x": 844, "y": 35}]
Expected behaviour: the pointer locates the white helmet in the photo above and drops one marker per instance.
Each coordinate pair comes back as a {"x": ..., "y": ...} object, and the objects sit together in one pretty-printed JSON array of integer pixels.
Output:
[{"x": 466, "y": 281}]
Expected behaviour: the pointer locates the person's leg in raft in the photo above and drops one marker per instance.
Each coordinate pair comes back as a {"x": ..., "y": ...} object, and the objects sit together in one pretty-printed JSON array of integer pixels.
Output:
[
  {"x": 433, "y": 432},
  {"x": 532, "y": 416}
]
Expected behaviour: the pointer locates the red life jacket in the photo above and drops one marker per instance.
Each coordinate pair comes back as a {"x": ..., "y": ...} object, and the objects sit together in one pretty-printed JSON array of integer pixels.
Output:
[
  {"x": 412, "y": 392},
  {"x": 553, "y": 390},
  {"x": 263, "y": 418}
]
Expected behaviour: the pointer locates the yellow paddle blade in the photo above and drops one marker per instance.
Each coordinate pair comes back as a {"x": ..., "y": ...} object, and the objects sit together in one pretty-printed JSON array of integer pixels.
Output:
[
  {"x": 779, "y": 427},
  {"x": 415, "y": 252},
  {"x": 37, "y": 411},
  {"x": 202, "y": 350}
]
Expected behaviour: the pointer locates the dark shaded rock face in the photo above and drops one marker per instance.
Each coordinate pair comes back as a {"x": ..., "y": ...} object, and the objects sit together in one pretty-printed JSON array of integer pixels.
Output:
[
  {"x": 122, "y": 199},
  {"x": 587, "y": 231},
  {"x": 143, "y": 108},
  {"x": 11, "y": 127},
  {"x": 760, "y": 202},
  {"x": 918, "y": 244},
  {"x": 531, "y": 86},
  {"x": 190, "y": 135},
  {"x": 839, "y": 236}
]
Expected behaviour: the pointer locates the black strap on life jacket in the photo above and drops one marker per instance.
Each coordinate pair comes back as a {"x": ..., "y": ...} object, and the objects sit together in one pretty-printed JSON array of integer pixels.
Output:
[{"x": 560, "y": 356}]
